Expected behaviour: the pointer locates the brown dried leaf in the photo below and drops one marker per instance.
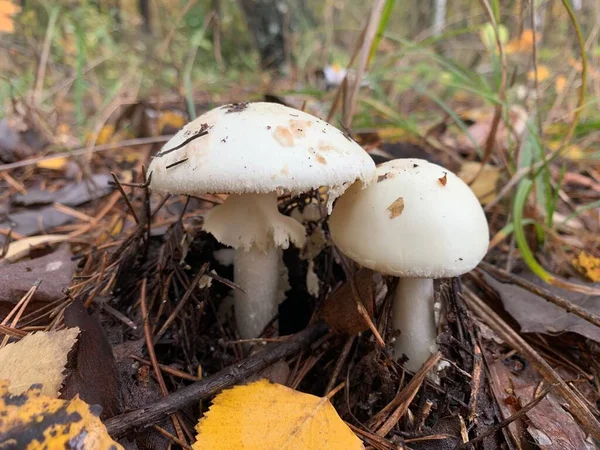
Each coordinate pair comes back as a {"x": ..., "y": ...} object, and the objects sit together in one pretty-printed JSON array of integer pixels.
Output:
[
  {"x": 536, "y": 315},
  {"x": 93, "y": 373},
  {"x": 339, "y": 309},
  {"x": 38, "y": 358},
  {"x": 54, "y": 271},
  {"x": 396, "y": 207}
]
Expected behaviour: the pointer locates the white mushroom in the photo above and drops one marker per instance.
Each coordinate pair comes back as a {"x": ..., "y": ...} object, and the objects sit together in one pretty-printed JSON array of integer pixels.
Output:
[
  {"x": 417, "y": 221},
  {"x": 251, "y": 151}
]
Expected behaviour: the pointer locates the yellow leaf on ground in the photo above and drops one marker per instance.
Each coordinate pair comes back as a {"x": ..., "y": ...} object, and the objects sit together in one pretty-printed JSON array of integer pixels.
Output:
[
  {"x": 170, "y": 120},
  {"x": 8, "y": 9},
  {"x": 522, "y": 44},
  {"x": 268, "y": 416},
  {"x": 33, "y": 421},
  {"x": 542, "y": 73},
  {"x": 53, "y": 164},
  {"x": 560, "y": 83},
  {"x": 485, "y": 185},
  {"x": 588, "y": 265},
  {"x": 38, "y": 358}
]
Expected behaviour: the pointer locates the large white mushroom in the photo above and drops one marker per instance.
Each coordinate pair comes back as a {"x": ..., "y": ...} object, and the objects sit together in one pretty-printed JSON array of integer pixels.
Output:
[
  {"x": 417, "y": 221},
  {"x": 253, "y": 151}
]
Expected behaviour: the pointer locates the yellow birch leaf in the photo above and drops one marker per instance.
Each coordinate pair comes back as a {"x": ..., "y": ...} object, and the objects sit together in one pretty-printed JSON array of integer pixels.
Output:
[
  {"x": 560, "y": 83},
  {"x": 7, "y": 11},
  {"x": 485, "y": 185},
  {"x": 521, "y": 44},
  {"x": 53, "y": 164},
  {"x": 33, "y": 421},
  {"x": 170, "y": 119},
  {"x": 268, "y": 416},
  {"x": 542, "y": 73},
  {"x": 588, "y": 265},
  {"x": 38, "y": 358}
]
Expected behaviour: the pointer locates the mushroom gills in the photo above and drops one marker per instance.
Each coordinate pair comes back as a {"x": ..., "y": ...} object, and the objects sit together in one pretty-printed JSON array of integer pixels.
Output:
[{"x": 254, "y": 227}]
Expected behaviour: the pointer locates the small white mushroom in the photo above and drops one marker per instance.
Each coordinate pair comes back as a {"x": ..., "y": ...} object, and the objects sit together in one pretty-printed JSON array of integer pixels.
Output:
[
  {"x": 417, "y": 221},
  {"x": 252, "y": 151}
]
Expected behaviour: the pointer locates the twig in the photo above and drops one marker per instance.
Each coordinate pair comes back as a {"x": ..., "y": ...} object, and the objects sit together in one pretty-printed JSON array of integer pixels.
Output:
[
  {"x": 41, "y": 72},
  {"x": 506, "y": 422},
  {"x": 173, "y": 438},
  {"x": 145, "y": 417},
  {"x": 402, "y": 401},
  {"x": 340, "y": 363},
  {"x": 126, "y": 197},
  {"x": 84, "y": 151},
  {"x": 152, "y": 354},
  {"x": 188, "y": 293},
  {"x": 370, "y": 32},
  {"x": 504, "y": 276},
  {"x": 167, "y": 369}
]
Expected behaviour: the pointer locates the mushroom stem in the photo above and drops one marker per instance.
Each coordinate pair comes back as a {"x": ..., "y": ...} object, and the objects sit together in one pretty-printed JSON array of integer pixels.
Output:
[
  {"x": 253, "y": 225},
  {"x": 412, "y": 315},
  {"x": 257, "y": 272}
]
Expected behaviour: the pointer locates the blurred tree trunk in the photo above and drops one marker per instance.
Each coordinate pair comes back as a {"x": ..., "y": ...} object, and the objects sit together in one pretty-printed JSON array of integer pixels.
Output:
[
  {"x": 267, "y": 22},
  {"x": 439, "y": 17},
  {"x": 144, "y": 7}
]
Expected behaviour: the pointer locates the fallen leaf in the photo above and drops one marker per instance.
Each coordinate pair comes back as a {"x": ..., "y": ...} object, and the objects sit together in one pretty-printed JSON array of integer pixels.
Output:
[
  {"x": 34, "y": 222},
  {"x": 536, "y": 315},
  {"x": 396, "y": 207},
  {"x": 522, "y": 44},
  {"x": 588, "y": 265},
  {"x": 38, "y": 358},
  {"x": 170, "y": 121},
  {"x": 93, "y": 374},
  {"x": 560, "y": 83},
  {"x": 8, "y": 10},
  {"x": 54, "y": 270},
  {"x": 33, "y": 421},
  {"x": 513, "y": 386},
  {"x": 59, "y": 163},
  {"x": 19, "y": 249},
  {"x": 339, "y": 308},
  {"x": 267, "y": 416},
  {"x": 485, "y": 185},
  {"x": 72, "y": 194},
  {"x": 543, "y": 73}
]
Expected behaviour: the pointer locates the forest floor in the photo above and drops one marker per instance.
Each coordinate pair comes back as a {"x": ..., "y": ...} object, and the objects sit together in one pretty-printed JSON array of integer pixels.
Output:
[{"x": 85, "y": 243}]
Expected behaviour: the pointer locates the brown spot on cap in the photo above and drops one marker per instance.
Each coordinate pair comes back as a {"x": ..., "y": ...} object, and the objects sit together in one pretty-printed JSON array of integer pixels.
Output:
[
  {"x": 396, "y": 207},
  {"x": 324, "y": 146},
  {"x": 443, "y": 180},
  {"x": 320, "y": 159},
  {"x": 284, "y": 136},
  {"x": 285, "y": 170}
]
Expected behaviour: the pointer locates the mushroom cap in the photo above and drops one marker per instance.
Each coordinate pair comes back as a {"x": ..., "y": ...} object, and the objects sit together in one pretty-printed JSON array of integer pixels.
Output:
[
  {"x": 416, "y": 219},
  {"x": 258, "y": 148}
]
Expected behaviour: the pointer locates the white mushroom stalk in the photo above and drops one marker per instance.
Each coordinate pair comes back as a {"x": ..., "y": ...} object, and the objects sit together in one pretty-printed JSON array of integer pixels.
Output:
[
  {"x": 253, "y": 226},
  {"x": 252, "y": 151},
  {"x": 412, "y": 314},
  {"x": 418, "y": 222}
]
